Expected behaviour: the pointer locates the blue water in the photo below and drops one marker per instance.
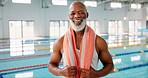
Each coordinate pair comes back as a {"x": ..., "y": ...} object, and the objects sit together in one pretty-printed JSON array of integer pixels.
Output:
[{"x": 134, "y": 69}]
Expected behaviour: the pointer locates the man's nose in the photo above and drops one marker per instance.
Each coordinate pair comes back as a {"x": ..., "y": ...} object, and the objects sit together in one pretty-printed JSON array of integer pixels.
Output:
[{"x": 77, "y": 15}]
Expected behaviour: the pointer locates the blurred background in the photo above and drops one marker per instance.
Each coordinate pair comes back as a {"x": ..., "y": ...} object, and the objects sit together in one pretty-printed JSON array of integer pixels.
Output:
[{"x": 28, "y": 29}]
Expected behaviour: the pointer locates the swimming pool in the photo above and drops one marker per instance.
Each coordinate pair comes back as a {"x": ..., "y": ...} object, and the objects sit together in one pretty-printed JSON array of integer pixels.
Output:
[{"x": 130, "y": 62}]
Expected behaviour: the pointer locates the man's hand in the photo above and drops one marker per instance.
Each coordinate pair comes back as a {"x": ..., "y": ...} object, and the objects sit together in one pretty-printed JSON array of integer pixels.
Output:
[
  {"x": 68, "y": 71},
  {"x": 91, "y": 73}
]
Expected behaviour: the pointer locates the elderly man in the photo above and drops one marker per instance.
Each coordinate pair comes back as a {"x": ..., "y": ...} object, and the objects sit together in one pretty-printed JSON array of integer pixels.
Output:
[{"x": 80, "y": 49}]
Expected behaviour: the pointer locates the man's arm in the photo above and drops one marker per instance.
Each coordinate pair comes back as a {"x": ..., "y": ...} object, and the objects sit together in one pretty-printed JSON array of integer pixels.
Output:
[
  {"x": 104, "y": 57},
  {"x": 55, "y": 58}
]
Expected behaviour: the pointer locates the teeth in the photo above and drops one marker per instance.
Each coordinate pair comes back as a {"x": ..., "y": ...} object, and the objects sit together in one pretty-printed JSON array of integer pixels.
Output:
[{"x": 77, "y": 20}]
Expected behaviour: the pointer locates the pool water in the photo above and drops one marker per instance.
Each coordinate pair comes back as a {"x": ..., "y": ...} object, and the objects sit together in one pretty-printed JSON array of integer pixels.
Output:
[{"x": 129, "y": 61}]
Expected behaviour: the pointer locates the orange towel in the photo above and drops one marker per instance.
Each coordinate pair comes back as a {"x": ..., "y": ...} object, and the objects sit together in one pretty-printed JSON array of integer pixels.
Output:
[{"x": 86, "y": 49}]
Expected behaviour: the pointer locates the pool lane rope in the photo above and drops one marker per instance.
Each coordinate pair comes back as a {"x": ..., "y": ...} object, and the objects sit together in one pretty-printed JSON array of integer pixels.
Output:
[
  {"x": 130, "y": 67},
  {"x": 21, "y": 57},
  {"x": 26, "y": 67},
  {"x": 45, "y": 65},
  {"x": 127, "y": 53},
  {"x": 23, "y": 67}
]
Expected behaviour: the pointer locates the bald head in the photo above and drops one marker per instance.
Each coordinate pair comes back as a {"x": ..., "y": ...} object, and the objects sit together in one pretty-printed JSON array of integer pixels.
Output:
[{"x": 77, "y": 4}]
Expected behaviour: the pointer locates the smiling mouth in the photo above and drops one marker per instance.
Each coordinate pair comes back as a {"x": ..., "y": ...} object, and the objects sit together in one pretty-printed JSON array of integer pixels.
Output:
[{"x": 77, "y": 22}]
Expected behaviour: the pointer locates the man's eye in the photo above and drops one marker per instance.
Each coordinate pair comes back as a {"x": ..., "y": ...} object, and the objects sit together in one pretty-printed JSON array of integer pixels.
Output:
[
  {"x": 72, "y": 14},
  {"x": 81, "y": 13}
]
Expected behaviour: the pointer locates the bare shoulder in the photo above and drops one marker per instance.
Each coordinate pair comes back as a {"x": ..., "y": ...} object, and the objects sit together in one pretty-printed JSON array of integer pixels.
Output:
[
  {"x": 100, "y": 39},
  {"x": 58, "y": 44},
  {"x": 101, "y": 44}
]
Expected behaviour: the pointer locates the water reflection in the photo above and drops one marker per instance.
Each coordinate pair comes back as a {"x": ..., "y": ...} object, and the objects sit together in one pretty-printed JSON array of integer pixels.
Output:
[
  {"x": 24, "y": 75},
  {"x": 19, "y": 47}
]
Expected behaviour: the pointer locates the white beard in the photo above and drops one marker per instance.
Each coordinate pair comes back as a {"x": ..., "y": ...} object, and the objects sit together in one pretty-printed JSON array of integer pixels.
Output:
[{"x": 78, "y": 27}]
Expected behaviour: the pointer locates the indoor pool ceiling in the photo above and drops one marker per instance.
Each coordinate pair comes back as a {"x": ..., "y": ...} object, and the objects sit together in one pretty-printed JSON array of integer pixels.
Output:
[
  {"x": 125, "y": 1},
  {"x": 2, "y": 2}
]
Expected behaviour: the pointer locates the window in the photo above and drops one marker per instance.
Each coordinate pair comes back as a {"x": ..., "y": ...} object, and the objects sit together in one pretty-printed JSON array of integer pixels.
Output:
[
  {"x": 54, "y": 29},
  {"x": 94, "y": 25},
  {"x": 115, "y": 27},
  {"x": 90, "y": 3},
  {"x": 133, "y": 31},
  {"x": 22, "y": 1},
  {"x": 21, "y": 29},
  {"x": 57, "y": 28},
  {"x": 15, "y": 29},
  {"x": 134, "y": 26},
  {"x": 28, "y": 29},
  {"x": 115, "y": 5},
  {"x": 59, "y": 2},
  {"x": 136, "y": 6},
  {"x": 63, "y": 27},
  {"x": 21, "y": 37},
  {"x": 115, "y": 33}
]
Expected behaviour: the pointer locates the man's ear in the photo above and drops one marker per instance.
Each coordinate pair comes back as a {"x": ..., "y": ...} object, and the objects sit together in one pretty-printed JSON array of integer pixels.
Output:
[{"x": 87, "y": 14}]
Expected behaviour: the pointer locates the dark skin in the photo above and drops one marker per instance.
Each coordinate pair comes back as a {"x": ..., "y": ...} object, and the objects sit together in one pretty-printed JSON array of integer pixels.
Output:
[{"x": 77, "y": 12}]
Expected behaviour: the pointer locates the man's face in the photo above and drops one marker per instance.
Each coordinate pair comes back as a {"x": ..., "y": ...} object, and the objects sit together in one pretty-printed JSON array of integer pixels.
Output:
[{"x": 77, "y": 13}]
